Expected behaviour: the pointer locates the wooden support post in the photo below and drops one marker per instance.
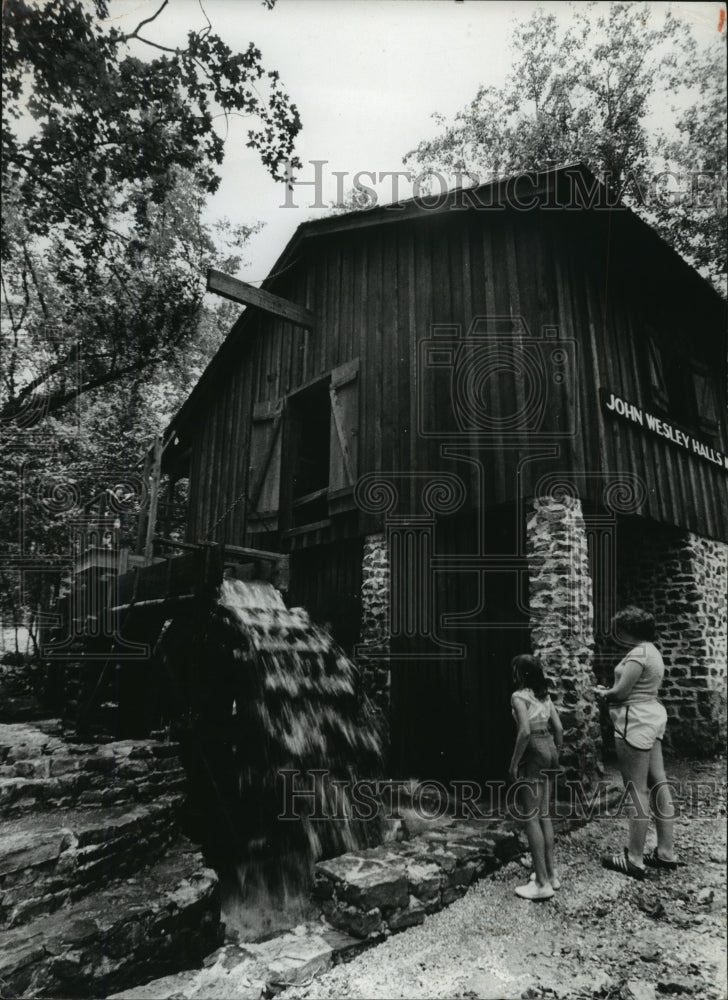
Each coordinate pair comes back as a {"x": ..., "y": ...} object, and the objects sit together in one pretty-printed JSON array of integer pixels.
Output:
[
  {"x": 156, "y": 475},
  {"x": 144, "y": 514}
]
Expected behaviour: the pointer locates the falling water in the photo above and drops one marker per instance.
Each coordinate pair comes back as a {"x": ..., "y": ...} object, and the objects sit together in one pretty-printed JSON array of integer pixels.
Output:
[{"x": 294, "y": 705}]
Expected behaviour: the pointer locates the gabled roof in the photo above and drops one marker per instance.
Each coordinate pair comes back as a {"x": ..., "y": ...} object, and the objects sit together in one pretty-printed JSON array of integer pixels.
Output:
[{"x": 575, "y": 183}]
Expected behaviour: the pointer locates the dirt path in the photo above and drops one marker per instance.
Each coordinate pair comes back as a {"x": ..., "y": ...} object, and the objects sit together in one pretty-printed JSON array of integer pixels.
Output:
[{"x": 602, "y": 936}]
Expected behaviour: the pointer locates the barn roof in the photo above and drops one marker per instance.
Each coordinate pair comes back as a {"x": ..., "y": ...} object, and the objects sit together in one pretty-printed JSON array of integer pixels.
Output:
[{"x": 573, "y": 181}]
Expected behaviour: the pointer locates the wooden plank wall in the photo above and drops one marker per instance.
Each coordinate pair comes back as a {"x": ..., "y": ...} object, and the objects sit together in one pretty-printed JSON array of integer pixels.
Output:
[
  {"x": 377, "y": 292},
  {"x": 326, "y": 581},
  {"x": 451, "y": 716}
]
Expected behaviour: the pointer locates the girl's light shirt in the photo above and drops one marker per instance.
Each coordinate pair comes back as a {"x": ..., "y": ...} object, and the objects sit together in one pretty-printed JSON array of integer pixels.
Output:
[{"x": 538, "y": 711}]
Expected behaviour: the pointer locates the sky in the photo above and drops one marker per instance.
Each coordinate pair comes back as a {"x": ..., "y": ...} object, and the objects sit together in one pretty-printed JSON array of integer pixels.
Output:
[{"x": 366, "y": 75}]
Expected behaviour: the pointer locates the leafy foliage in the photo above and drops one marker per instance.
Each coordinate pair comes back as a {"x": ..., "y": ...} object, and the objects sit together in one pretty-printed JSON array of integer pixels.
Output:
[
  {"x": 587, "y": 90},
  {"x": 693, "y": 217},
  {"x": 105, "y": 249},
  {"x": 109, "y": 124},
  {"x": 103, "y": 246},
  {"x": 74, "y": 324}
]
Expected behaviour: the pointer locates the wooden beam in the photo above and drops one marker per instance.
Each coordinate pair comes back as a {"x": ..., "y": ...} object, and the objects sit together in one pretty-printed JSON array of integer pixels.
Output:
[
  {"x": 156, "y": 475},
  {"x": 241, "y": 291}
]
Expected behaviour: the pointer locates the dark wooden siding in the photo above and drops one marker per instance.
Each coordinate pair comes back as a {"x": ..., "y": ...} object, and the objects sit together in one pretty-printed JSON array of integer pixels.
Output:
[
  {"x": 378, "y": 291},
  {"x": 451, "y": 716},
  {"x": 326, "y": 581}
]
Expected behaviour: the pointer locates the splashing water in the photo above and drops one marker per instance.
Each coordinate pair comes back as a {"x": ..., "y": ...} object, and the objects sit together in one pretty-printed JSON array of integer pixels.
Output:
[{"x": 292, "y": 703}]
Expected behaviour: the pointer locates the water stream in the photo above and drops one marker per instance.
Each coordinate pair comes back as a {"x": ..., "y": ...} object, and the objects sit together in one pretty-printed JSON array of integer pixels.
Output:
[{"x": 271, "y": 691}]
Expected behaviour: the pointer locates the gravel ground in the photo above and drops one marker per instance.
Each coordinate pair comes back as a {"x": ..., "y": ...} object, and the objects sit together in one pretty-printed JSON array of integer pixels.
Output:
[{"x": 602, "y": 936}]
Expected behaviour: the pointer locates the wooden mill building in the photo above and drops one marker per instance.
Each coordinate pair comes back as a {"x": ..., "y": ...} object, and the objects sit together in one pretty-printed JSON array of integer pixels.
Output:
[{"x": 477, "y": 428}]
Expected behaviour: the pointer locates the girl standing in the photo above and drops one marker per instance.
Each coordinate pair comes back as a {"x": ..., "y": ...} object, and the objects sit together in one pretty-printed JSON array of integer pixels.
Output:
[{"x": 539, "y": 734}]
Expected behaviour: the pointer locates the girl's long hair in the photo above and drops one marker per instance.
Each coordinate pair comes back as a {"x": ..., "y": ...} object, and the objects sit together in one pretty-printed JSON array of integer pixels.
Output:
[{"x": 528, "y": 673}]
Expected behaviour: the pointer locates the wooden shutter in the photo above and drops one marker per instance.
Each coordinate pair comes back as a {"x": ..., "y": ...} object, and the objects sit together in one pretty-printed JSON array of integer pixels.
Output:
[
  {"x": 705, "y": 401},
  {"x": 344, "y": 435},
  {"x": 264, "y": 467},
  {"x": 656, "y": 371}
]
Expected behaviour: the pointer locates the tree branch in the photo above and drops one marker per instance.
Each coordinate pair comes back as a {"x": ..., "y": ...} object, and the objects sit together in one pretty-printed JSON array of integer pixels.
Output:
[
  {"x": 147, "y": 20},
  {"x": 162, "y": 48},
  {"x": 60, "y": 397},
  {"x": 34, "y": 276},
  {"x": 12, "y": 405}
]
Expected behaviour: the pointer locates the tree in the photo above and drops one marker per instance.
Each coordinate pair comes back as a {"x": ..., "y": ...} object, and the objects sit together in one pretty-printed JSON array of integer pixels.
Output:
[
  {"x": 103, "y": 250},
  {"x": 108, "y": 123},
  {"x": 74, "y": 324},
  {"x": 692, "y": 216},
  {"x": 584, "y": 90},
  {"x": 52, "y": 470}
]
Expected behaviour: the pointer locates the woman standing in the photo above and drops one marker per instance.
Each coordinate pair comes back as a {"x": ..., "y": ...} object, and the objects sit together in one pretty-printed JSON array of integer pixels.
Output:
[
  {"x": 639, "y": 720},
  {"x": 534, "y": 756}
]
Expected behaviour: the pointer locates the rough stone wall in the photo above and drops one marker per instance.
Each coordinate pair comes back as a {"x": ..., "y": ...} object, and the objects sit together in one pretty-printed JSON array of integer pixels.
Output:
[
  {"x": 682, "y": 579},
  {"x": 393, "y": 886},
  {"x": 99, "y": 889},
  {"x": 39, "y": 770},
  {"x": 561, "y": 621},
  {"x": 43, "y": 869},
  {"x": 373, "y": 651}
]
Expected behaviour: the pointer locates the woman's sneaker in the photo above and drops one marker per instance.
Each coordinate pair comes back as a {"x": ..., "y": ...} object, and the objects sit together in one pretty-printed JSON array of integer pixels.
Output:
[
  {"x": 621, "y": 863},
  {"x": 534, "y": 891},
  {"x": 653, "y": 860},
  {"x": 555, "y": 881}
]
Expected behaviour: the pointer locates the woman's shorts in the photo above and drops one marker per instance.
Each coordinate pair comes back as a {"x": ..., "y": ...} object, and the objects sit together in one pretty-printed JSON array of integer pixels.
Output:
[
  {"x": 540, "y": 755},
  {"x": 639, "y": 725}
]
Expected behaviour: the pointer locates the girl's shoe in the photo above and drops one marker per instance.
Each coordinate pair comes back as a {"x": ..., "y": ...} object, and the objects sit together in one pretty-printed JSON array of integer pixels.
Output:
[
  {"x": 534, "y": 891},
  {"x": 555, "y": 881},
  {"x": 621, "y": 863},
  {"x": 653, "y": 860}
]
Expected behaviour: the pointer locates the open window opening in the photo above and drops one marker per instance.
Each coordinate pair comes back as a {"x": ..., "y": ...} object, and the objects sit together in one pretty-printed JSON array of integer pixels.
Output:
[
  {"x": 309, "y": 419},
  {"x": 304, "y": 456}
]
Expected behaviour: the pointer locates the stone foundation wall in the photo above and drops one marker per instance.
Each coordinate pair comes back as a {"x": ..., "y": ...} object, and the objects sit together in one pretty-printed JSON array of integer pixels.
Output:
[
  {"x": 391, "y": 887},
  {"x": 562, "y": 628},
  {"x": 39, "y": 770},
  {"x": 682, "y": 579},
  {"x": 41, "y": 869},
  {"x": 373, "y": 651},
  {"x": 166, "y": 918}
]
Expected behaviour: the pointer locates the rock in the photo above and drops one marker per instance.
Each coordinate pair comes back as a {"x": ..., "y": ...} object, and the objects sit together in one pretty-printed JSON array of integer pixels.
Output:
[
  {"x": 423, "y": 880},
  {"x": 674, "y": 983},
  {"x": 638, "y": 989},
  {"x": 323, "y": 888},
  {"x": 359, "y": 923},
  {"x": 706, "y": 896},
  {"x": 650, "y": 953},
  {"x": 408, "y": 916},
  {"x": 651, "y": 906},
  {"x": 300, "y": 958},
  {"x": 344, "y": 947},
  {"x": 452, "y": 893},
  {"x": 366, "y": 883}
]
